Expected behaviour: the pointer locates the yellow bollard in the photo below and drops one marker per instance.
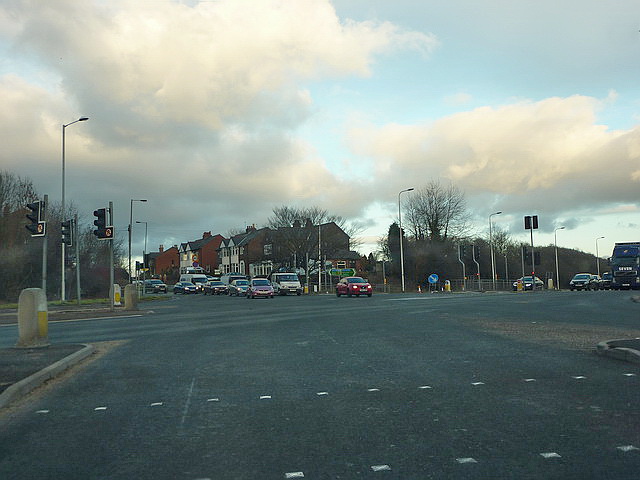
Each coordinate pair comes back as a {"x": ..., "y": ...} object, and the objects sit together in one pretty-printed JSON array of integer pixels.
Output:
[
  {"x": 447, "y": 286},
  {"x": 519, "y": 285}
]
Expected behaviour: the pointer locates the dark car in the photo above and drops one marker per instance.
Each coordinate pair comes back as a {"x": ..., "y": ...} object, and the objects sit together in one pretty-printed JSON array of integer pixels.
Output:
[
  {"x": 154, "y": 286},
  {"x": 605, "y": 283},
  {"x": 527, "y": 283},
  {"x": 350, "y": 286},
  {"x": 583, "y": 281},
  {"x": 184, "y": 288},
  {"x": 260, "y": 287},
  {"x": 238, "y": 287},
  {"x": 216, "y": 287}
]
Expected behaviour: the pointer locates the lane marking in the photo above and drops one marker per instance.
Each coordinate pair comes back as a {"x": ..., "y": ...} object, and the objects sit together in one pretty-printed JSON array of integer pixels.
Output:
[
  {"x": 579, "y": 377},
  {"x": 529, "y": 379},
  {"x": 156, "y": 404},
  {"x": 42, "y": 411},
  {"x": 550, "y": 455},
  {"x": 627, "y": 448},
  {"x": 188, "y": 402},
  {"x": 265, "y": 397},
  {"x": 629, "y": 374},
  {"x": 373, "y": 389},
  {"x": 466, "y": 460},
  {"x": 425, "y": 387},
  {"x": 475, "y": 384},
  {"x": 380, "y": 468},
  {"x": 98, "y": 409},
  {"x": 213, "y": 399},
  {"x": 320, "y": 394},
  {"x": 294, "y": 475}
]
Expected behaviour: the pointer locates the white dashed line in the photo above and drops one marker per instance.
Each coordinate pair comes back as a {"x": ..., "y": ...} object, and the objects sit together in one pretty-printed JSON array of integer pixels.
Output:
[
  {"x": 380, "y": 468},
  {"x": 373, "y": 389},
  {"x": 265, "y": 397},
  {"x": 42, "y": 411},
  {"x": 425, "y": 387},
  {"x": 466, "y": 460},
  {"x": 321, "y": 394},
  {"x": 550, "y": 455},
  {"x": 627, "y": 448},
  {"x": 97, "y": 409},
  {"x": 629, "y": 374},
  {"x": 529, "y": 379},
  {"x": 213, "y": 399},
  {"x": 475, "y": 384},
  {"x": 294, "y": 475},
  {"x": 579, "y": 377},
  {"x": 156, "y": 404}
]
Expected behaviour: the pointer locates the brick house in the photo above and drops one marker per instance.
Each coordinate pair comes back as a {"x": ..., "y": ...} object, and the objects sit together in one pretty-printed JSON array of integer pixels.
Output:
[
  {"x": 201, "y": 253},
  {"x": 247, "y": 253},
  {"x": 164, "y": 263}
]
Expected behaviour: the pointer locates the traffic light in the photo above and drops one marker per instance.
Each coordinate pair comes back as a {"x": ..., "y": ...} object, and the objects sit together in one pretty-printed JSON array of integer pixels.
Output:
[
  {"x": 536, "y": 258},
  {"x": 526, "y": 254},
  {"x": 462, "y": 251},
  {"x": 37, "y": 227},
  {"x": 104, "y": 230},
  {"x": 67, "y": 232}
]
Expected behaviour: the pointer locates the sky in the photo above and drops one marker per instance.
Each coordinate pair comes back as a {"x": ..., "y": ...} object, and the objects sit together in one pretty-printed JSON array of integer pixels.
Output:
[{"x": 218, "y": 111}]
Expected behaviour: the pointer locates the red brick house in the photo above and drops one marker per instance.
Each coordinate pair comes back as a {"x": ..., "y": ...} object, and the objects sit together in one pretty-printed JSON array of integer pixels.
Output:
[{"x": 201, "y": 253}]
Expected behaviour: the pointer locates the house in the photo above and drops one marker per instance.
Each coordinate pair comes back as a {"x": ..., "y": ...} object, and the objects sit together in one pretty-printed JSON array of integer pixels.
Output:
[
  {"x": 248, "y": 253},
  {"x": 164, "y": 262},
  {"x": 201, "y": 253}
]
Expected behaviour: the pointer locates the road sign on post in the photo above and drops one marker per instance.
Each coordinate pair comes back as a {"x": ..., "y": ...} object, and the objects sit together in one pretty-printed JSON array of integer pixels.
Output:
[{"x": 531, "y": 223}]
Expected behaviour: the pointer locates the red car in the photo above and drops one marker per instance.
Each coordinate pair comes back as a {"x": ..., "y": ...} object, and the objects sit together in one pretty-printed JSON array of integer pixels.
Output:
[
  {"x": 260, "y": 287},
  {"x": 353, "y": 286}
]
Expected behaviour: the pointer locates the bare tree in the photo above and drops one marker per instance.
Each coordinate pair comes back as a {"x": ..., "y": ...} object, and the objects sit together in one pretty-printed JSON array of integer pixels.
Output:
[{"x": 437, "y": 212}]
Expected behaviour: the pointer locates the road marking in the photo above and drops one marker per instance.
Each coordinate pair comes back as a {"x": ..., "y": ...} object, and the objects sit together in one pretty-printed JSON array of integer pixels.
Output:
[
  {"x": 380, "y": 468},
  {"x": 42, "y": 411},
  {"x": 629, "y": 374},
  {"x": 579, "y": 377},
  {"x": 294, "y": 475},
  {"x": 529, "y": 379},
  {"x": 373, "y": 389},
  {"x": 466, "y": 460},
  {"x": 156, "y": 404},
  {"x": 213, "y": 399},
  {"x": 475, "y": 384},
  {"x": 627, "y": 448},
  {"x": 424, "y": 387},
  {"x": 320, "y": 394},
  {"x": 550, "y": 455},
  {"x": 188, "y": 402},
  {"x": 265, "y": 397},
  {"x": 98, "y": 409}
]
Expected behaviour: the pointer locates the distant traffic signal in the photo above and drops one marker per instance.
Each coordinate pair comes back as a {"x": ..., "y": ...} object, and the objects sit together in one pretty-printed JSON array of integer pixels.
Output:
[
  {"x": 37, "y": 227},
  {"x": 526, "y": 254},
  {"x": 104, "y": 231},
  {"x": 67, "y": 232}
]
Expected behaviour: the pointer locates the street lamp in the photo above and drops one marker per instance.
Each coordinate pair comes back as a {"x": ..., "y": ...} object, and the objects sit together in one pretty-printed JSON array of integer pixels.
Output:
[
  {"x": 62, "y": 288},
  {"x": 493, "y": 261},
  {"x": 400, "y": 222},
  {"x": 144, "y": 255},
  {"x": 597, "y": 258},
  {"x": 130, "y": 222},
  {"x": 555, "y": 243}
]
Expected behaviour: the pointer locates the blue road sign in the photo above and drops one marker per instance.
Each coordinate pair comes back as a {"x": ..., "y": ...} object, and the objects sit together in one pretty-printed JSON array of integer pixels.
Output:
[{"x": 433, "y": 278}]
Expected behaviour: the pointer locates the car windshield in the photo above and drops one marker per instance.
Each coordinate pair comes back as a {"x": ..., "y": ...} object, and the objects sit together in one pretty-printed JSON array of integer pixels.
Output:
[
  {"x": 241, "y": 282},
  {"x": 287, "y": 278},
  {"x": 261, "y": 282},
  {"x": 188, "y": 284},
  {"x": 355, "y": 280},
  {"x": 154, "y": 281},
  {"x": 624, "y": 261},
  {"x": 583, "y": 276},
  {"x": 217, "y": 284}
]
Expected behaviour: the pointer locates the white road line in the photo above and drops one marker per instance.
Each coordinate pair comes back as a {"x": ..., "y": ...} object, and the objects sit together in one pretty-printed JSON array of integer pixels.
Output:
[
  {"x": 627, "y": 448},
  {"x": 425, "y": 387},
  {"x": 466, "y": 460},
  {"x": 320, "y": 394},
  {"x": 629, "y": 374},
  {"x": 550, "y": 455},
  {"x": 42, "y": 411},
  {"x": 188, "y": 402},
  {"x": 156, "y": 404},
  {"x": 373, "y": 389},
  {"x": 294, "y": 475},
  {"x": 579, "y": 377},
  {"x": 529, "y": 379},
  {"x": 475, "y": 384},
  {"x": 98, "y": 409},
  {"x": 265, "y": 397},
  {"x": 213, "y": 399},
  {"x": 380, "y": 468}
]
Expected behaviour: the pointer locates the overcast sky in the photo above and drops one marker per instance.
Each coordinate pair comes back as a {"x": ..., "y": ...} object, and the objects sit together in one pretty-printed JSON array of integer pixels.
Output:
[{"x": 218, "y": 111}]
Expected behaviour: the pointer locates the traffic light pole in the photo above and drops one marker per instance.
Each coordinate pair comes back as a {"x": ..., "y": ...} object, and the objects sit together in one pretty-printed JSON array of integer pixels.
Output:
[
  {"x": 77, "y": 242},
  {"x": 44, "y": 249},
  {"x": 464, "y": 274},
  {"x": 111, "y": 276}
]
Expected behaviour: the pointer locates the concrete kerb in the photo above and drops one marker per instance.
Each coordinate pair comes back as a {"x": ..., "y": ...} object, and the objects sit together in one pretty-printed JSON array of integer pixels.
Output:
[
  {"x": 620, "y": 349},
  {"x": 28, "y": 384}
]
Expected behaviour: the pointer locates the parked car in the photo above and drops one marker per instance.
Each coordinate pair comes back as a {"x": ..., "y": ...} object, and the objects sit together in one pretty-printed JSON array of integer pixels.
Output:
[
  {"x": 238, "y": 287},
  {"x": 527, "y": 283},
  {"x": 184, "y": 288},
  {"x": 353, "y": 286},
  {"x": 605, "y": 284},
  {"x": 583, "y": 281},
  {"x": 596, "y": 282},
  {"x": 216, "y": 287},
  {"x": 155, "y": 285},
  {"x": 260, "y": 287}
]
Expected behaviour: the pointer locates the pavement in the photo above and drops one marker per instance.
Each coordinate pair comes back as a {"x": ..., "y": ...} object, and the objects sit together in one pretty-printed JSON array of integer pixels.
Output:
[{"x": 24, "y": 369}]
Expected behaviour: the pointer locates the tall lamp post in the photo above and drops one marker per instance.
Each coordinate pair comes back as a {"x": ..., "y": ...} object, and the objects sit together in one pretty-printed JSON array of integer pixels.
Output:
[
  {"x": 130, "y": 222},
  {"x": 555, "y": 243},
  {"x": 400, "y": 222},
  {"x": 597, "y": 258},
  {"x": 62, "y": 281},
  {"x": 144, "y": 255},
  {"x": 493, "y": 260}
]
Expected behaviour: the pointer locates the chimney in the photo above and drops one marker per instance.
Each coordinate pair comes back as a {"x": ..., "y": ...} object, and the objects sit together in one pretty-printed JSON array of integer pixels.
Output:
[
  {"x": 250, "y": 228},
  {"x": 206, "y": 234},
  {"x": 161, "y": 248}
]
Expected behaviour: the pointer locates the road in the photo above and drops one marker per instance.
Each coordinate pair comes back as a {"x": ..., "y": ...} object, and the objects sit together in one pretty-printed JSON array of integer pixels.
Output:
[{"x": 388, "y": 387}]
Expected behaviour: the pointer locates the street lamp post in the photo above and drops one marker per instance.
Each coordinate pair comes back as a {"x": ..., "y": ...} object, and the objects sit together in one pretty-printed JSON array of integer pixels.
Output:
[
  {"x": 144, "y": 256},
  {"x": 62, "y": 281},
  {"x": 493, "y": 260},
  {"x": 555, "y": 243},
  {"x": 597, "y": 258},
  {"x": 130, "y": 222},
  {"x": 400, "y": 225}
]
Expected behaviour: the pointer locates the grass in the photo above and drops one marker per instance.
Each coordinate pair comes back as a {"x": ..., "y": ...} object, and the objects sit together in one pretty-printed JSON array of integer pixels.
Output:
[{"x": 87, "y": 301}]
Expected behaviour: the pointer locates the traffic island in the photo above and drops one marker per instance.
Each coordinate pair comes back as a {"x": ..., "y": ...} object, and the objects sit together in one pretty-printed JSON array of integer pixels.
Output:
[{"x": 627, "y": 350}]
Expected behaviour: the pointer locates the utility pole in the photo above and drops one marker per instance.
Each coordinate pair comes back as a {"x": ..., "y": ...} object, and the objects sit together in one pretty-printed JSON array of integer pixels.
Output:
[{"x": 76, "y": 236}]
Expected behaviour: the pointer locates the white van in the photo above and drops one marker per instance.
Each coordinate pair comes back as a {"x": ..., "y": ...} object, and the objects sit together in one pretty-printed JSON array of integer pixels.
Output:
[
  {"x": 230, "y": 277},
  {"x": 285, "y": 282},
  {"x": 198, "y": 279}
]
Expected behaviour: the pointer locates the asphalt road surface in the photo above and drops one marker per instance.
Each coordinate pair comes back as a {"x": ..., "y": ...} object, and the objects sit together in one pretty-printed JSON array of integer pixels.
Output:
[{"x": 389, "y": 387}]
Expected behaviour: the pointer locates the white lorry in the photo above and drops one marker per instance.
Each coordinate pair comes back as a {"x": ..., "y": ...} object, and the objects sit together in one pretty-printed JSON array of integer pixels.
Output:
[{"x": 285, "y": 282}]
